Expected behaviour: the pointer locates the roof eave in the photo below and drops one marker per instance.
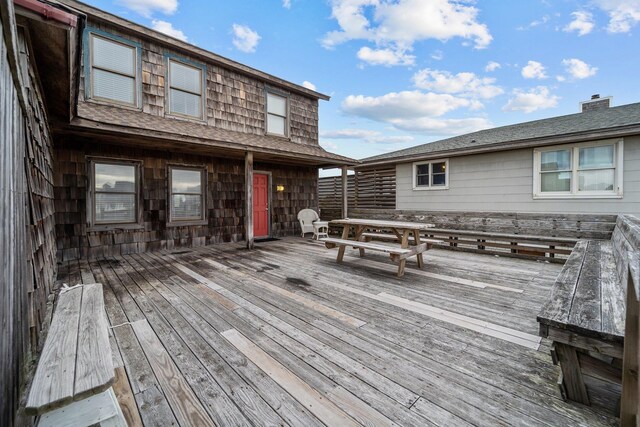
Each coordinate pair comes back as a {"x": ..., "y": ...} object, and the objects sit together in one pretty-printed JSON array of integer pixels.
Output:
[{"x": 511, "y": 145}]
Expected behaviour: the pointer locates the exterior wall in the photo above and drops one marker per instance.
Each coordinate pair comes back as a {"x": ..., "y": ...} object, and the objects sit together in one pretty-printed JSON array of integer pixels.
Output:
[
  {"x": 224, "y": 201},
  {"x": 234, "y": 101},
  {"x": 27, "y": 241},
  {"x": 503, "y": 182}
]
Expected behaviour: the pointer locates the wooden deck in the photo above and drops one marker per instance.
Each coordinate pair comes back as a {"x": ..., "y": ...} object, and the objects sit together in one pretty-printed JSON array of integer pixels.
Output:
[{"x": 282, "y": 335}]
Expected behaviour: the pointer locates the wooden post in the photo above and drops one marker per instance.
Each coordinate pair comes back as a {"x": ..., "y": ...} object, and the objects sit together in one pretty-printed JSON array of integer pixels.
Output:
[
  {"x": 248, "y": 217},
  {"x": 345, "y": 196}
]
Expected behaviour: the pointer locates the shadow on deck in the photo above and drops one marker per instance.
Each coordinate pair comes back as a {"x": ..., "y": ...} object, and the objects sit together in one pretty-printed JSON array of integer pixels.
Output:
[{"x": 283, "y": 335}]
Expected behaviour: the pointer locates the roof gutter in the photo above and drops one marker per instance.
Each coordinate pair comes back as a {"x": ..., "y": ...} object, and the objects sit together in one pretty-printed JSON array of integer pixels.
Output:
[
  {"x": 48, "y": 12},
  {"x": 505, "y": 146}
]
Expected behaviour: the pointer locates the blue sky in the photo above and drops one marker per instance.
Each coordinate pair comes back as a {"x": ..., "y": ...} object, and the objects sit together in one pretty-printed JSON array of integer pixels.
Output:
[{"x": 407, "y": 72}]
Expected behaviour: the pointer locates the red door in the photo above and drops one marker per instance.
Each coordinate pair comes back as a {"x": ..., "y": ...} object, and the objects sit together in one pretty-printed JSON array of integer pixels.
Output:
[{"x": 260, "y": 205}]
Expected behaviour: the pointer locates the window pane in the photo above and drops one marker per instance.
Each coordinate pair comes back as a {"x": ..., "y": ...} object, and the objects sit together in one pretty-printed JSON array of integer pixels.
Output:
[
  {"x": 186, "y": 103},
  {"x": 423, "y": 180},
  {"x": 113, "y": 86},
  {"x": 115, "y": 207},
  {"x": 121, "y": 178},
  {"x": 114, "y": 56},
  {"x": 596, "y": 157},
  {"x": 276, "y": 104},
  {"x": 422, "y": 169},
  {"x": 555, "y": 160},
  {"x": 439, "y": 179},
  {"x": 596, "y": 180},
  {"x": 275, "y": 124},
  {"x": 439, "y": 167},
  {"x": 186, "y": 181},
  {"x": 555, "y": 181},
  {"x": 185, "y": 77},
  {"x": 185, "y": 206}
]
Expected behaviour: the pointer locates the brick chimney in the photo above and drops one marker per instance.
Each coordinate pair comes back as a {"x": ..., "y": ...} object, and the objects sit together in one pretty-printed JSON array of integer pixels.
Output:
[{"x": 595, "y": 103}]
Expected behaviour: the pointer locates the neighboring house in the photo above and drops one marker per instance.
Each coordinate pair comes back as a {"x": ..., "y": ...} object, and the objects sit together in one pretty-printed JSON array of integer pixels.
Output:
[
  {"x": 151, "y": 146},
  {"x": 587, "y": 162}
]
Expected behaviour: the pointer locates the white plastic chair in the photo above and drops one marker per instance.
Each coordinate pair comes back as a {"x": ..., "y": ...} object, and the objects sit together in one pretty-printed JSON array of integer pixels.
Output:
[{"x": 306, "y": 218}]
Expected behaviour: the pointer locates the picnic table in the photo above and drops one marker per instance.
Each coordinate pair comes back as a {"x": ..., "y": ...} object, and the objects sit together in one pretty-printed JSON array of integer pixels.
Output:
[{"x": 402, "y": 231}]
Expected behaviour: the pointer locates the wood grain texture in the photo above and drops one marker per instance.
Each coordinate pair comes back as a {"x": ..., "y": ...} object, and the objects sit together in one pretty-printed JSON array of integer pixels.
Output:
[
  {"x": 185, "y": 405},
  {"x": 125, "y": 398}
]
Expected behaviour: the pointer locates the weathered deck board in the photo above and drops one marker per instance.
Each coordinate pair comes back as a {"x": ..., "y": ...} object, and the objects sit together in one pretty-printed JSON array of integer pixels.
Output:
[{"x": 401, "y": 366}]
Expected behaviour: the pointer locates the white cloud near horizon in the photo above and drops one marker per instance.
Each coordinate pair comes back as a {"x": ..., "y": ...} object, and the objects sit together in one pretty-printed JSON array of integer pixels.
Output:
[
  {"x": 464, "y": 84},
  {"x": 386, "y": 57},
  {"x": 147, "y": 7},
  {"x": 167, "y": 28},
  {"x": 244, "y": 38},
  {"x": 623, "y": 14},
  {"x": 538, "y": 98},
  {"x": 582, "y": 23},
  {"x": 394, "y": 26},
  {"x": 534, "y": 70},
  {"x": 308, "y": 85},
  {"x": 492, "y": 66},
  {"x": 369, "y": 136},
  {"x": 579, "y": 69}
]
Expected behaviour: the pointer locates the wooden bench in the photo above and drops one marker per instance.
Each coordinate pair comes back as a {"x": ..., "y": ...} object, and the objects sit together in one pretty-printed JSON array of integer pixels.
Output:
[
  {"x": 396, "y": 253},
  {"x": 72, "y": 383},
  {"x": 385, "y": 236},
  {"x": 630, "y": 405},
  {"x": 584, "y": 315}
]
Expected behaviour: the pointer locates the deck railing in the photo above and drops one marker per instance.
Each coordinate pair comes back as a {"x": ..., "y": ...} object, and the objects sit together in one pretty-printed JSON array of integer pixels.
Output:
[{"x": 629, "y": 408}]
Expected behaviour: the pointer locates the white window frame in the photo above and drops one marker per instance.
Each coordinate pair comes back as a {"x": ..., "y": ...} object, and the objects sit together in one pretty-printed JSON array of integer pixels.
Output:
[
  {"x": 91, "y": 199},
  {"x": 574, "y": 193},
  {"x": 267, "y": 113},
  {"x": 202, "y": 220},
  {"x": 202, "y": 93},
  {"x": 430, "y": 187},
  {"x": 92, "y": 37}
]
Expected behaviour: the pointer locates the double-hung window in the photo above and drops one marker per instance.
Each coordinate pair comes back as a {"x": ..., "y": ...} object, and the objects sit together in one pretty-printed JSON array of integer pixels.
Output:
[
  {"x": 113, "y": 73},
  {"x": 115, "y": 192},
  {"x": 277, "y": 114},
  {"x": 432, "y": 175},
  {"x": 186, "y": 194},
  {"x": 586, "y": 170},
  {"x": 185, "y": 89}
]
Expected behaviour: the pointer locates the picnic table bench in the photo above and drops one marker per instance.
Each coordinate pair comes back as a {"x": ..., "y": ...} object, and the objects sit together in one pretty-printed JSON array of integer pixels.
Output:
[
  {"x": 401, "y": 232},
  {"x": 585, "y": 313},
  {"x": 73, "y": 379}
]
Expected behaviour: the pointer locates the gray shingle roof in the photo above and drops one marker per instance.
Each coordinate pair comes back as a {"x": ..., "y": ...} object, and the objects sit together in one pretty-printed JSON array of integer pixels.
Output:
[{"x": 502, "y": 137}]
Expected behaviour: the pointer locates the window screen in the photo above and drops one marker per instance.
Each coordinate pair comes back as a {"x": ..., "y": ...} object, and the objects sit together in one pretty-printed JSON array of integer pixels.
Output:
[
  {"x": 185, "y": 94},
  {"x": 115, "y": 193},
  {"x": 187, "y": 194},
  {"x": 113, "y": 70},
  {"x": 276, "y": 114}
]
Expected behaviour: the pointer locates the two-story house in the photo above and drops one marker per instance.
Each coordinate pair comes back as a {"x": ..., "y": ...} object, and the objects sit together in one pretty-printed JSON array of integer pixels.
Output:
[{"x": 166, "y": 143}]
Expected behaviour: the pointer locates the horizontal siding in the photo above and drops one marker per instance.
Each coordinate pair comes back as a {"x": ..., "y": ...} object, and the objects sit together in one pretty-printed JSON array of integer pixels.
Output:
[{"x": 503, "y": 182}]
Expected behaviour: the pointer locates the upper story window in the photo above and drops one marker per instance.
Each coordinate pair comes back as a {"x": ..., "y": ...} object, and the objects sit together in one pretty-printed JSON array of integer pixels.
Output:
[
  {"x": 186, "y": 89},
  {"x": 115, "y": 192},
  {"x": 113, "y": 74},
  {"x": 186, "y": 194},
  {"x": 585, "y": 170},
  {"x": 431, "y": 175},
  {"x": 277, "y": 114}
]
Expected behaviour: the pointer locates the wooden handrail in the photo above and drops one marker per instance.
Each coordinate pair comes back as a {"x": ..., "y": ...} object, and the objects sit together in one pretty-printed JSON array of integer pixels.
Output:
[{"x": 629, "y": 408}]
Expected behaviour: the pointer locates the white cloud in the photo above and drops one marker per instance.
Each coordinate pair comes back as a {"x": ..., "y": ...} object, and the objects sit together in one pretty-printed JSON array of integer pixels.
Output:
[
  {"x": 579, "y": 69},
  {"x": 623, "y": 14},
  {"x": 464, "y": 84},
  {"x": 286, "y": 4},
  {"x": 437, "y": 55},
  {"x": 492, "y": 66},
  {"x": 534, "y": 70},
  {"x": 397, "y": 25},
  {"x": 328, "y": 145},
  {"x": 538, "y": 98},
  {"x": 366, "y": 135},
  {"x": 167, "y": 28},
  {"x": 415, "y": 111},
  {"x": 387, "y": 57},
  {"x": 147, "y": 7},
  {"x": 308, "y": 85},
  {"x": 535, "y": 23},
  {"x": 244, "y": 38},
  {"x": 582, "y": 23}
]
